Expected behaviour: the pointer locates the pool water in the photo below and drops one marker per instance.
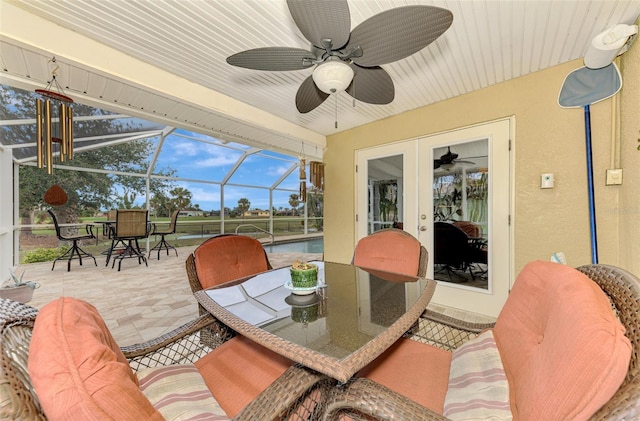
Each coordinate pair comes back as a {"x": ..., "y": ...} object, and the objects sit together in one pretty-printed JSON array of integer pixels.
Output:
[{"x": 314, "y": 245}]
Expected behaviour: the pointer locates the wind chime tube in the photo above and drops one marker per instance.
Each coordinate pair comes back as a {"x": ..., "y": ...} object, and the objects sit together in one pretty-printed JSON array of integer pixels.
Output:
[
  {"x": 320, "y": 176},
  {"x": 49, "y": 141},
  {"x": 62, "y": 124},
  {"x": 313, "y": 173},
  {"x": 39, "y": 139},
  {"x": 70, "y": 132},
  {"x": 303, "y": 191},
  {"x": 302, "y": 168},
  {"x": 303, "y": 180},
  {"x": 316, "y": 174}
]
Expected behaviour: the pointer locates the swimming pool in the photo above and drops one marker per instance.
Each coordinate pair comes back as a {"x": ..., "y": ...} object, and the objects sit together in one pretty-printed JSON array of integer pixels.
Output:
[{"x": 313, "y": 245}]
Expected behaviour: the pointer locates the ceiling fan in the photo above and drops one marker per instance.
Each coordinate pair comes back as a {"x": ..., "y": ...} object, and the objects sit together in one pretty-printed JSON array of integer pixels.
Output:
[
  {"x": 344, "y": 59},
  {"x": 448, "y": 160}
]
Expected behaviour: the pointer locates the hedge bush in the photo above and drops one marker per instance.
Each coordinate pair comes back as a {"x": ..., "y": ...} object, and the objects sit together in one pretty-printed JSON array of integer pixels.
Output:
[{"x": 43, "y": 254}]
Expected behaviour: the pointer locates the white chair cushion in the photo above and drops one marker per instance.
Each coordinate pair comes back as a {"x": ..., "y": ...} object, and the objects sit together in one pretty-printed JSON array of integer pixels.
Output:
[
  {"x": 178, "y": 392},
  {"x": 478, "y": 387}
]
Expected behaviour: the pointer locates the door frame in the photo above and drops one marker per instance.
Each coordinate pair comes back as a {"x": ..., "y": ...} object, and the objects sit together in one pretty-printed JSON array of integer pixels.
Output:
[{"x": 501, "y": 135}]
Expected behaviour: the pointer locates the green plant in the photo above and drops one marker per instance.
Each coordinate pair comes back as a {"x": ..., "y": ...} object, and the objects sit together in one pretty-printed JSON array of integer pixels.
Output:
[
  {"x": 43, "y": 254},
  {"x": 14, "y": 281}
]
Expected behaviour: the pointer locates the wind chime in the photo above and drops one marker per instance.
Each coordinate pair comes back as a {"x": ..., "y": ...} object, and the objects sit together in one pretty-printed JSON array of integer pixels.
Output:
[
  {"x": 316, "y": 177},
  {"x": 54, "y": 124}
]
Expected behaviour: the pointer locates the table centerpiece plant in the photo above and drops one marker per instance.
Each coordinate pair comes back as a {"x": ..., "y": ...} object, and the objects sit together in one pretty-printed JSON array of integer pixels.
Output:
[{"x": 304, "y": 275}]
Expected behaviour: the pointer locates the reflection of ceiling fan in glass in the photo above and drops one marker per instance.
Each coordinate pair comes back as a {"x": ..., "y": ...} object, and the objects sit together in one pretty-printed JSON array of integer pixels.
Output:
[{"x": 449, "y": 160}]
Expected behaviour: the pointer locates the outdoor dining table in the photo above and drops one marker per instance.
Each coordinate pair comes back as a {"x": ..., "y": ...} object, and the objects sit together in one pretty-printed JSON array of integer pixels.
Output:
[
  {"x": 351, "y": 318},
  {"x": 106, "y": 227}
]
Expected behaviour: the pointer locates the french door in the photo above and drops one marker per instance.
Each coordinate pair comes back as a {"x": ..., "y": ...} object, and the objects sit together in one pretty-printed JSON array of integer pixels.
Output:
[
  {"x": 452, "y": 191},
  {"x": 387, "y": 191}
]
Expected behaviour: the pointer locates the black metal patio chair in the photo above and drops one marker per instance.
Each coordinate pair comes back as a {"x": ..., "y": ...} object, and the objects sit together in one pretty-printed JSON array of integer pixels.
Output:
[
  {"x": 163, "y": 244},
  {"x": 75, "y": 252}
]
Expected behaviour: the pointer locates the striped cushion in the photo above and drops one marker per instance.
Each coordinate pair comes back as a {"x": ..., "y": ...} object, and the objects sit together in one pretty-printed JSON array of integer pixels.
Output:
[
  {"x": 478, "y": 387},
  {"x": 179, "y": 393}
]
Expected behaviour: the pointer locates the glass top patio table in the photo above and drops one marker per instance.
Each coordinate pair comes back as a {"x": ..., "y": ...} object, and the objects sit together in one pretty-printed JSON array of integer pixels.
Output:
[{"x": 353, "y": 316}]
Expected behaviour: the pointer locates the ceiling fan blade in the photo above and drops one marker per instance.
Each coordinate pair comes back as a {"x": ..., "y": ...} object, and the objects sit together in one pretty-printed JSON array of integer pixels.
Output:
[
  {"x": 372, "y": 85},
  {"x": 273, "y": 59},
  {"x": 320, "y": 20},
  {"x": 397, "y": 33},
  {"x": 309, "y": 96},
  {"x": 448, "y": 157}
]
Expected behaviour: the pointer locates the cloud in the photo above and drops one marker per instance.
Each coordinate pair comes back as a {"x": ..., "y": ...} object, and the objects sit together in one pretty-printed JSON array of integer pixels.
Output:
[
  {"x": 215, "y": 161},
  {"x": 206, "y": 155},
  {"x": 277, "y": 171},
  {"x": 184, "y": 148}
]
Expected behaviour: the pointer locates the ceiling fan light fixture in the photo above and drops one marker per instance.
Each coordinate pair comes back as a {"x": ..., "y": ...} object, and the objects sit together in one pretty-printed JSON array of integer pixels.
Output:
[
  {"x": 333, "y": 76},
  {"x": 447, "y": 166}
]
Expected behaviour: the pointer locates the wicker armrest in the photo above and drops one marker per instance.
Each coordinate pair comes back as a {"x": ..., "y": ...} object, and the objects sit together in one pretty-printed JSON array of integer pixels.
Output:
[
  {"x": 182, "y": 345},
  {"x": 299, "y": 393},
  {"x": 364, "y": 399},
  {"x": 444, "y": 332}
]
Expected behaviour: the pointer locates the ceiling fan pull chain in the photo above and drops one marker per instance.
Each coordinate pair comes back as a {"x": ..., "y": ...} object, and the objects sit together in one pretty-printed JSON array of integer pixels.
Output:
[
  {"x": 336, "y": 95},
  {"x": 354, "y": 94}
]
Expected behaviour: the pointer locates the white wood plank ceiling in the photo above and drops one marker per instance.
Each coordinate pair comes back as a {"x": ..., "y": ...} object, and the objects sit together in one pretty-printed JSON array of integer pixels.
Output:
[{"x": 490, "y": 41}]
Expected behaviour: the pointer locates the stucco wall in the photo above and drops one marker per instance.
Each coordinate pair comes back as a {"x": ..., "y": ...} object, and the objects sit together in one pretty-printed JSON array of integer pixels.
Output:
[
  {"x": 629, "y": 204},
  {"x": 547, "y": 139}
]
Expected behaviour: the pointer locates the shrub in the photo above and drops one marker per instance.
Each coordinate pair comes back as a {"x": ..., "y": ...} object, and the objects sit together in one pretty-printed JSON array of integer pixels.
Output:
[{"x": 43, "y": 254}]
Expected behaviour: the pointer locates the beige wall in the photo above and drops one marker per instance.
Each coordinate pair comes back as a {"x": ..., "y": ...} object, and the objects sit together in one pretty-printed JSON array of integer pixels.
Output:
[
  {"x": 547, "y": 139},
  {"x": 628, "y": 208}
]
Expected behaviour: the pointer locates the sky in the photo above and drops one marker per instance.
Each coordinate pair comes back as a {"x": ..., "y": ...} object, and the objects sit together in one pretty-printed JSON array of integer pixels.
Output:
[
  {"x": 192, "y": 155},
  {"x": 212, "y": 160}
]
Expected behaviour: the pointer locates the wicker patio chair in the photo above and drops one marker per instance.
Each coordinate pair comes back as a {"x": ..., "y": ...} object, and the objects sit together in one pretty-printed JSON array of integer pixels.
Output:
[
  {"x": 171, "y": 229},
  {"x": 220, "y": 259},
  {"x": 297, "y": 394},
  {"x": 224, "y": 258},
  {"x": 364, "y": 399},
  {"x": 392, "y": 250},
  {"x": 75, "y": 252}
]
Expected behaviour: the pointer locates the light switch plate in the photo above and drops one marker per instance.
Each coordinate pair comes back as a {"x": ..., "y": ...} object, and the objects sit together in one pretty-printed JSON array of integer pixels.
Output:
[
  {"x": 546, "y": 181},
  {"x": 614, "y": 177}
]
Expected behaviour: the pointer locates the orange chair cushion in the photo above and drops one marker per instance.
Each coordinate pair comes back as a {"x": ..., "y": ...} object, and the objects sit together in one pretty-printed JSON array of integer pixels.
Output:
[
  {"x": 225, "y": 258},
  {"x": 238, "y": 371},
  {"x": 564, "y": 352},
  {"x": 78, "y": 369},
  {"x": 389, "y": 251},
  {"x": 418, "y": 371}
]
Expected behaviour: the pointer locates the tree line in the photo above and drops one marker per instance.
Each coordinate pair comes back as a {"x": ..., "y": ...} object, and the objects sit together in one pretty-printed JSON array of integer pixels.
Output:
[{"x": 108, "y": 188}]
